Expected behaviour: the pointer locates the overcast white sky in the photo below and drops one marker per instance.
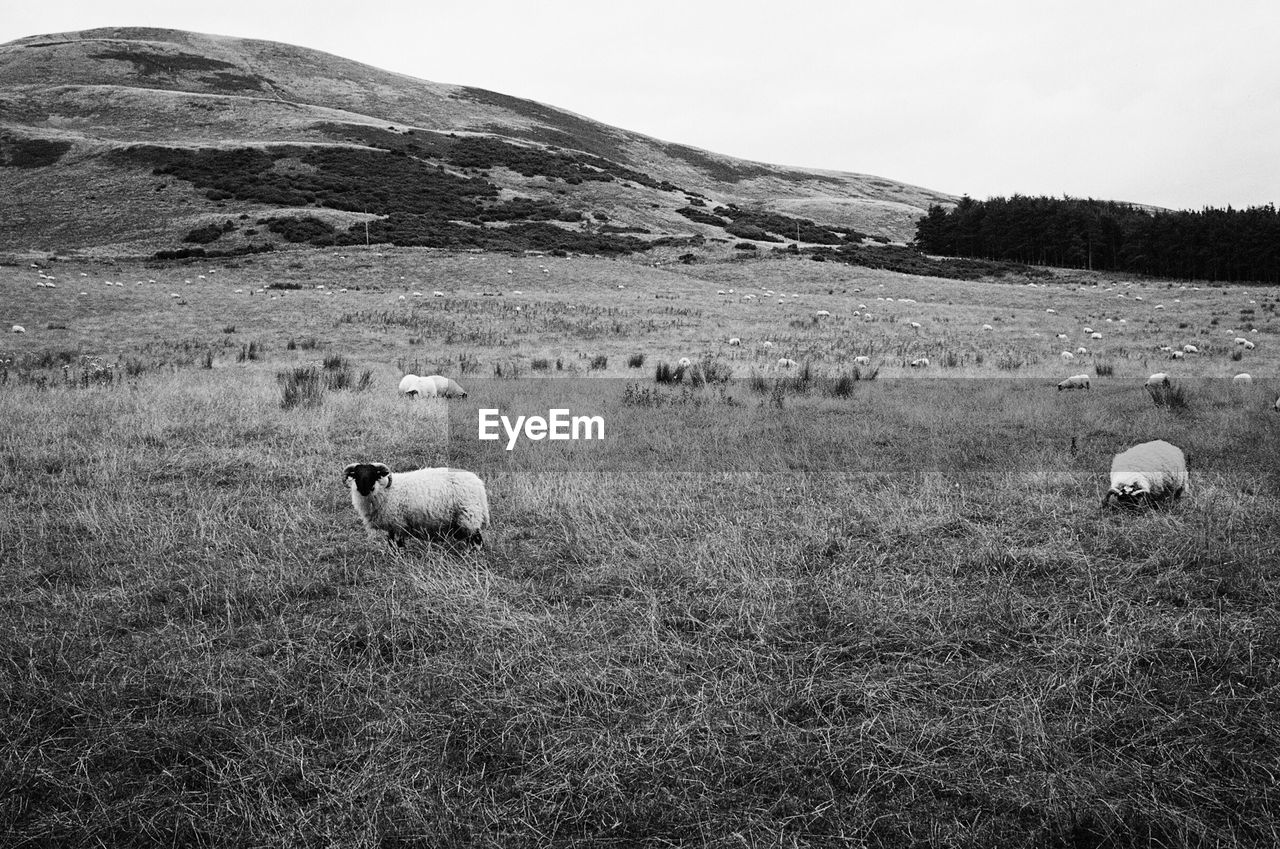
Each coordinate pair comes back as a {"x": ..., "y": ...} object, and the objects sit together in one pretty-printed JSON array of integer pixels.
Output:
[{"x": 1169, "y": 103}]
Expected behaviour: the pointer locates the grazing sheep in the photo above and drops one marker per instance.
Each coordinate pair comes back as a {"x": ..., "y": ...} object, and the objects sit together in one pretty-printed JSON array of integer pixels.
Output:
[
  {"x": 915, "y": 325},
  {"x": 787, "y": 363},
  {"x": 685, "y": 362},
  {"x": 1082, "y": 350},
  {"x": 1095, "y": 335},
  {"x": 766, "y": 344},
  {"x": 1088, "y": 330},
  {"x": 1190, "y": 349},
  {"x": 735, "y": 341},
  {"x": 421, "y": 387},
  {"x": 1076, "y": 381},
  {"x": 923, "y": 362},
  {"x": 1067, "y": 355},
  {"x": 437, "y": 503},
  {"x": 1242, "y": 379},
  {"x": 1147, "y": 474},
  {"x": 1240, "y": 340},
  {"x": 862, "y": 361},
  {"x": 1177, "y": 355},
  {"x": 18, "y": 328},
  {"x": 1249, "y": 346},
  {"x": 447, "y": 387},
  {"x": 822, "y": 314},
  {"x": 987, "y": 327},
  {"x": 1158, "y": 379}
]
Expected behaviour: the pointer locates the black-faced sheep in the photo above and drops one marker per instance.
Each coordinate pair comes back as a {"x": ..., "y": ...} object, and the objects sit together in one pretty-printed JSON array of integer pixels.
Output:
[
  {"x": 1147, "y": 474},
  {"x": 435, "y": 503}
]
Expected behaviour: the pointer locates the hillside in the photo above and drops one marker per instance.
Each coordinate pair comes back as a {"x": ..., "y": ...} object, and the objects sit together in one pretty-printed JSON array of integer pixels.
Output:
[{"x": 130, "y": 140}]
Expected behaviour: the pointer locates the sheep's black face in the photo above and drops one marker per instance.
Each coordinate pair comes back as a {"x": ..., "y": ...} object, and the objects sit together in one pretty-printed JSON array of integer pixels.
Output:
[
  {"x": 1130, "y": 497},
  {"x": 366, "y": 476}
]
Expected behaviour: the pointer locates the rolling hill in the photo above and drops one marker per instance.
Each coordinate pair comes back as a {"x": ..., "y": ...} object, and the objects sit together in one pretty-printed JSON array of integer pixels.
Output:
[{"x": 135, "y": 140}]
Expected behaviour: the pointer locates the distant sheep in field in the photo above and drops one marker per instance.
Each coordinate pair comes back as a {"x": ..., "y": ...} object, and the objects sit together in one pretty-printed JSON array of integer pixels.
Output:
[
  {"x": 1082, "y": 350},
  {"x": 766, "y": 344},
  {"x": 1242, "y": 379},
  {"x": 987, "y": 327},
  {"x": 1147, "y": 474},
  {"x": 17, "y": 328},
  {"x": 684, "y": 362},
  {"x": 1095, "y": 335},
  {"x": 437, "y": 503},
  {"x": 1088, "y": 330},
  {"x": 735, "y": 341},
  {"x": 415, "y": 386},
  {"x": 922, "y": 362},
  {"x": 1067, "y": 355},
  {"x": 1158, "y": 379},
  {"x": 1249, "y": 346},
  {"x": 862, "y": 361},
  {"x": 1240, "y": 340},
  {"x": 1076, "y": 381},
  {"x": 915, "y": 325},
  {"x": 787, "y": 363},
  {"x": 822, "y": 314},
  {"x": 1177, "y": 355},
  {"x": 1190, "y": 349}
]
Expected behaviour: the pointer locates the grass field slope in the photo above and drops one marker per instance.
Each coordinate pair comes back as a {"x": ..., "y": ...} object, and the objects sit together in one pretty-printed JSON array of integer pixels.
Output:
[
  {"x": 849, "y": 602},
  {"x": 131, "y": 140}
]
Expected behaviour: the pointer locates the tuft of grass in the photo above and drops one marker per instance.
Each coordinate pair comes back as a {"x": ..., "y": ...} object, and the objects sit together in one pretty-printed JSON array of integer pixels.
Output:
[
  {"x": 635, "y": 361},
  {"x": 1104, "y": 368},
  {"x": 300, "y": 387}
]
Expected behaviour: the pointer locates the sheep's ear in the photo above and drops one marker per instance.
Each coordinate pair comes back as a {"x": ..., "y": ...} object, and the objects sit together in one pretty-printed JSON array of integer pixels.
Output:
[{"x": 349, "y": 471}]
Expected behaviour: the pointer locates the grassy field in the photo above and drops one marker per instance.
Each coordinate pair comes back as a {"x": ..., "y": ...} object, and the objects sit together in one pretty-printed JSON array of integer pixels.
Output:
[{"x": 764, "y": 612}]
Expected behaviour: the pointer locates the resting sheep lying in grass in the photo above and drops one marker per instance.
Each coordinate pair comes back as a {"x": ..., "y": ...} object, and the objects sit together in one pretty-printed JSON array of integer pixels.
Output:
[
  {"x": 1147, "y": 474},
  {"x": 1242, "y": 379},
  {"x": 447, "y": 387},
  {"x": 437, "y": 503},
  {"x": 1076, "y": 381}
]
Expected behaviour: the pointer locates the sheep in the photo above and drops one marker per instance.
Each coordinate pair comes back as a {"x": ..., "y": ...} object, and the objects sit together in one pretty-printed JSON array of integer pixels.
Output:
[
  {"x": 862, "y": 361},
  {"x": 923, "y": 362},
  {"x": 18, "y": 328},
  {"x": 1095, "y": 335},
  {"x": 421, "y": 387},
  {"x": 1082, "y": 350},
  {"x": 684, "y": 362},
  {"x": 822, "y": 314},
  {"x": 1158, "y": 379},
  {"x": 1067, "y": 355},
  {"x": 766, "y": 344},
  {"x": 432, "y": 503},
  {"x": 1276, "y": 405},
  {"x": 1190, "y": 349},
  {"x": 787, "y": 363},
  {"x": 1240, "y": 340},
  {"x": 735, "y": 341},
  {"x": 1147, "y": 474},
  {"x": 1242, "y": 379},
  {"x": 1076, "y": 381},
  {"x": 1177, "y": 355},
  {"x": 1249, "y": 346},
  {"x": 987, "y": 327},
  {"x": 447, "y": 387}
]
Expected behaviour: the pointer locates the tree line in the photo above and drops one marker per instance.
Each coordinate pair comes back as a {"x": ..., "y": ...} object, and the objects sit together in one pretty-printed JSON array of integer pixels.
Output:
[{"x": 1223, "y": 245}]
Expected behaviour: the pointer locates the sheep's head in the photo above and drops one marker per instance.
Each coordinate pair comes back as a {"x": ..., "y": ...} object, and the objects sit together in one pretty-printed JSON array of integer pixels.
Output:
[
  {"x": 366, "y": 476},
  {"x": 1129, "y": 495}
]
